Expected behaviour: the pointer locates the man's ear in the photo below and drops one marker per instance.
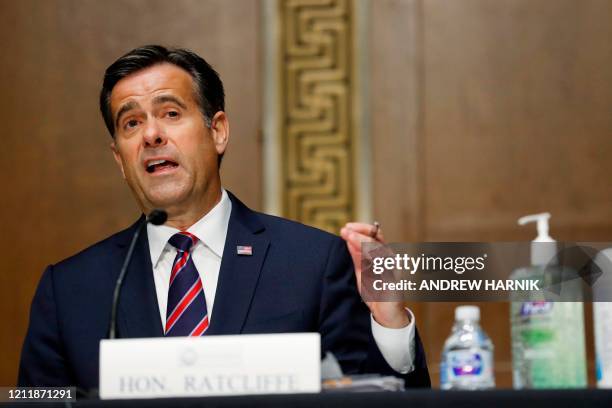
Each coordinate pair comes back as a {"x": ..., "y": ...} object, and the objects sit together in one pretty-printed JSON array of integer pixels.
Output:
[
  {"x": 220, "y": 131},
  {"x": 117, "y": 157}
]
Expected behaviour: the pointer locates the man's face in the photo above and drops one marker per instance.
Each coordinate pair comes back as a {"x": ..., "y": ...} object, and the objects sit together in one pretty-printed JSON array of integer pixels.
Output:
[{"x": 165, "y": 151}]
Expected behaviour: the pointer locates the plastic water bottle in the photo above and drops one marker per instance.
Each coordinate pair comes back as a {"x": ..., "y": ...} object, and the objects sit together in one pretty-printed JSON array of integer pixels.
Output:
[{"x": 467, "y": 357}]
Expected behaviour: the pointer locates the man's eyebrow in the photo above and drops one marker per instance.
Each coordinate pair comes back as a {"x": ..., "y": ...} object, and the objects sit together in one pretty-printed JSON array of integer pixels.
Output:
[
  {"x": 168, "y": 98},
  {"x": 124, "y": 109}
]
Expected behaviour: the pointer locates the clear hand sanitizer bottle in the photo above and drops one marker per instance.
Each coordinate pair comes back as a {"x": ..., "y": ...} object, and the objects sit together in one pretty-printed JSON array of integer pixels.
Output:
[
  {"x": 547, "y": 336},
  {"x": 467, "y": 357}
]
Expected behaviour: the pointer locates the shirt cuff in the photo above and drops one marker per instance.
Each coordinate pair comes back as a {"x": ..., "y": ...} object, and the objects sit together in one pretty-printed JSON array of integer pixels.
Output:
[{"x": 396, "y": 345}]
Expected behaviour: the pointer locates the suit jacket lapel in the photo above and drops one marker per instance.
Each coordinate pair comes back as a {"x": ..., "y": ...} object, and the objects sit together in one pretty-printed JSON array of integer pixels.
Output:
[
  {"x": 138, "y": 314},
  {"x": 239, "y": 274}
]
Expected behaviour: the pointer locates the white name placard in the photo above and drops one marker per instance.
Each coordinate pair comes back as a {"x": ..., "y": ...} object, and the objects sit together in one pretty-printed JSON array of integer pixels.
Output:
[{"x": 210, "y": 365}]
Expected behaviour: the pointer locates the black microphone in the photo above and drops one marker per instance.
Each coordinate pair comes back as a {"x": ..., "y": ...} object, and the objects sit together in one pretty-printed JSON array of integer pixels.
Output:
[{"x": 155, "y": 217}]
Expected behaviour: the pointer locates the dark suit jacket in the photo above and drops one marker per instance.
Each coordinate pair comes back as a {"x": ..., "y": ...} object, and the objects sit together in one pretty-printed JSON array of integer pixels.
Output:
[{"x": 299, "y": 279}]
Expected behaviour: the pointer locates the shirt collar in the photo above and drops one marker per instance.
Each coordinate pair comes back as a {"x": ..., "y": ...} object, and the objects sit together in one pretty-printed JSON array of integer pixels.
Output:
[{"x": 211, "y": 230}]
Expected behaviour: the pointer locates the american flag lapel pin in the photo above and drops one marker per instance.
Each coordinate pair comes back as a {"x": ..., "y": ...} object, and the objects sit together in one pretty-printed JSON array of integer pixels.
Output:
[{"x": 244, "y": 250}]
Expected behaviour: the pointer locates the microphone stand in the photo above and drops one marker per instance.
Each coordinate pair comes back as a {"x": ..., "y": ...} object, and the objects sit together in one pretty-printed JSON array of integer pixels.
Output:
[{"x": 156, "y": 217}]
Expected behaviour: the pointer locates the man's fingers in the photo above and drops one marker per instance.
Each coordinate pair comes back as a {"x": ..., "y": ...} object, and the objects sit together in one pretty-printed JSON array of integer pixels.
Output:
[
  {"x": 361, "y": 227},
  {"x": 351, "y": 235},
  {"x": 354, "y": 248},
  {"x": 355, "y": 251},
  {"x": 365, "y": 229}
]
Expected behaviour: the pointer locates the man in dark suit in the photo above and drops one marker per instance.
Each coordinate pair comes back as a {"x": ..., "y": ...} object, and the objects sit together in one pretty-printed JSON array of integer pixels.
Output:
[{"x": 215, "y": 267}]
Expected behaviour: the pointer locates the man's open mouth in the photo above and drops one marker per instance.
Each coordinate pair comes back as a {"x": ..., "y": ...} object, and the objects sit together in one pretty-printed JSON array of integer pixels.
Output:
[{"x": 158, "y": 165}]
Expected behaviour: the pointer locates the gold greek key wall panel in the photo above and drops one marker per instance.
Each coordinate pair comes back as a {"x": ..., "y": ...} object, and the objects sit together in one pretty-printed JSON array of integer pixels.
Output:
[{"x": 316, "y": 96}]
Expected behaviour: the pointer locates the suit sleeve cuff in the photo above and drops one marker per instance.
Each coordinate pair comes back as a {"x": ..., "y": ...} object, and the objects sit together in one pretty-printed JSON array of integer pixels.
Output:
[{"x": 396, "y": 345}]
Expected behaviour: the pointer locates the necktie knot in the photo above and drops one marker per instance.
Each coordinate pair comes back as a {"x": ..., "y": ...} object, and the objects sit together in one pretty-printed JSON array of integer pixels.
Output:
[{"x": 183, "y": 241}]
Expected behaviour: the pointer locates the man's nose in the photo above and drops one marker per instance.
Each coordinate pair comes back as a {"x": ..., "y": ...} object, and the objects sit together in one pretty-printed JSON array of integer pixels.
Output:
[{"x": 154, "y": 134}]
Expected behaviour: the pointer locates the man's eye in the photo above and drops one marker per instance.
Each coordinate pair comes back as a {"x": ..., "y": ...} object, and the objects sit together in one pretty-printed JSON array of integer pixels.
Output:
[
  {"x": 131, "y": 124},
  {"x": 172, "y": 114}
]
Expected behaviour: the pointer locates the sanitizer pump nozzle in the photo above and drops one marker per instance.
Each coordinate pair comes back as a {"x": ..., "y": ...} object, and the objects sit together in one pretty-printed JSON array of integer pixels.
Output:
[{"x": 541, "y": 254}]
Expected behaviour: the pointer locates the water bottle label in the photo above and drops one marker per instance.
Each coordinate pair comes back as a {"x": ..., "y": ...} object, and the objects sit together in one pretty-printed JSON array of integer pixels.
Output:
[{"x": 468, "y": 363}]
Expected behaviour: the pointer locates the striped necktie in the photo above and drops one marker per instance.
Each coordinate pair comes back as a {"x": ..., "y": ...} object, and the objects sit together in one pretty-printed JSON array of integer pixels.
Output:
[{"x": 186, "y": 313}]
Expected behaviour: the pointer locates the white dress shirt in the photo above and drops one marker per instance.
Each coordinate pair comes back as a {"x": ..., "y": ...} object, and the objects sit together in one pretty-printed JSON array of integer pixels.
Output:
[{"x": 396, "y": 345}]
